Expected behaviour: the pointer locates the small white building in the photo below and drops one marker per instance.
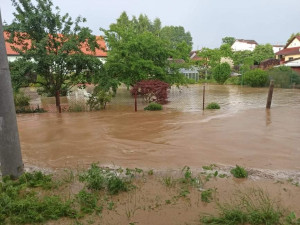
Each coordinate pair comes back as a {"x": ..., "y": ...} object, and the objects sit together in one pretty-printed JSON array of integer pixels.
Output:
[
  {"x": 277, "y": 48},
  {"x": 242, "y": 45}
]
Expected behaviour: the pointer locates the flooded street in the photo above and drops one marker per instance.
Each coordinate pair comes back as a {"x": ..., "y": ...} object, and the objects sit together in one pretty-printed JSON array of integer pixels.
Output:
[{"x": 243, "y": 132}]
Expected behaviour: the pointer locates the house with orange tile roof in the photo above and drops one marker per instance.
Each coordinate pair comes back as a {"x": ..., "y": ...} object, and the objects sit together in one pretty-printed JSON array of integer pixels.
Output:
[{"x": 100, "y": 52}]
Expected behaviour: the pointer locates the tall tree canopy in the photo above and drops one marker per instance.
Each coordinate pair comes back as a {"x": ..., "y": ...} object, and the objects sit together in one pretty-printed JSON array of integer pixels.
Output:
[
  {"x": 262, "y": 52},
  {"x": 137, "y": 52},
  {"x": 179, "y": 40},
  {"x": 228, "y": 40},
  {"x": 53, "y": 43}
]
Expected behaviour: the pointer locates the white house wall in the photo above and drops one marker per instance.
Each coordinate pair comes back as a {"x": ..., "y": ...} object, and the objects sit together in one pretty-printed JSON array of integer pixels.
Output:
[{"x": 242, "y": 46}]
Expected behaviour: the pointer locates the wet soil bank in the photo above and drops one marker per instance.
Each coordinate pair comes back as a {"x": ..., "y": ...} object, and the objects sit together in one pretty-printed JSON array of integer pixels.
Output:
[{"x": 155, "y": 200}]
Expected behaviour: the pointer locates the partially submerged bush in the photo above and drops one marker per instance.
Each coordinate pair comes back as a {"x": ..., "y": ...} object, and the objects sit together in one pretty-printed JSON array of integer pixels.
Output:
[
  {"x": 152, "y": 90},
  {"x": 256, "y": 78},
  {"x": 283, "y": 76},
  {"x": 213, "y": 105},
  {"x": 99, "y": 99},
  {"x": 239, "y": 172},
  {"x": 233, "y": 80},
  {"x": 21, "y": 100},
  {"x": 153, "y": 107},
  {"x": 221, "y": 72}
]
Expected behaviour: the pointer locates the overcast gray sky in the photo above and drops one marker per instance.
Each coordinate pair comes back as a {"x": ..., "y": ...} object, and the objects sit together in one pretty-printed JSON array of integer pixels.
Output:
[{"x": 266, "y": 21}]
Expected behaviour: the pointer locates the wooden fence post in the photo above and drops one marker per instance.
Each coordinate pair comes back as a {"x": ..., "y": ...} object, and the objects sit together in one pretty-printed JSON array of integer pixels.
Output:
[{"x": 270, "y": 94}]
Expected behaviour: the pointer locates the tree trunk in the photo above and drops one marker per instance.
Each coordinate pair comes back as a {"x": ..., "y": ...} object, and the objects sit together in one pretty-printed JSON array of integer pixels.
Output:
[
  {"x": 10, "y": 151},
  {"x": 57, "y": 101}
]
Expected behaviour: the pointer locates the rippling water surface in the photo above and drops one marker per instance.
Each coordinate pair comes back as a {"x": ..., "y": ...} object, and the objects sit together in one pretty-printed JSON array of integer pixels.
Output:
[{"x": 242, "y": 132}]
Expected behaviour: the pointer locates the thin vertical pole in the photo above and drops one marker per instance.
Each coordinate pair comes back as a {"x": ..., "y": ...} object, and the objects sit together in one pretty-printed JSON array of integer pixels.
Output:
[
  {"x": 10, "y": 150},
  {"x": 57, "y": 99},
  {"x": 270, "y": 94},
  {"x": 203, "y": 96},
  {"x": 135, "y": 102}
]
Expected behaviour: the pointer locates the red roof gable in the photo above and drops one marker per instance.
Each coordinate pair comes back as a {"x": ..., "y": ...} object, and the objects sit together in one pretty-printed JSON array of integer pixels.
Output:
[
  {"x": 289, "y": 51},
  {"x": 101, "y": 52}
]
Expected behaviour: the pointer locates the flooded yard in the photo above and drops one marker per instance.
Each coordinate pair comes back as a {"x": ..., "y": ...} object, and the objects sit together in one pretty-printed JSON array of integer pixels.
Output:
[{"x": 242, "y": 132}]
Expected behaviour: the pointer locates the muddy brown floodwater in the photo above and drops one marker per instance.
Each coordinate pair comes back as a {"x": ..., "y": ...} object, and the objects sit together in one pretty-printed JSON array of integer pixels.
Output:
[{"x": 242, "y": 132}]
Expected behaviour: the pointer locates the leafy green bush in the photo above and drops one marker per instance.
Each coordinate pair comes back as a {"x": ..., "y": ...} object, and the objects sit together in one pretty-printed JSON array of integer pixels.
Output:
[
  {"x": 233, "y": 80},
  {"x": 221, "y": 72},
  {"x": 97, "y": 178},
  {"x": 239, "y": 172},
  {"x": 213, "y": 105},
  {"x": 99, "y": 99},
  {"x": 256, "y": 78},
  {"x": 283, "y": 76},
  {"x": 153, "y": 107},
  {"x": 21, "y": 100}
]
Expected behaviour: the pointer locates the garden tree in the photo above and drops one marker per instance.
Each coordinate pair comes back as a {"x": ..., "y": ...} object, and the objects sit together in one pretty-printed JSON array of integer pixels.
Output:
[
  {"x": 10, "y": 151},
  {"x": 137, "y": 53},
  {"x": 221, "y": 72},
  {"x": 180, "y": 41},
  {"x": 262, "y": 52},
  {"x": 226, "y": 51},
  {"x": 152, "y": 90},
  {"x": 228, "y": 40},
  {"x": 256, "y": 78},
  {"x": 53, "y": 43},
  {"x": 240, "y": 57},
  {"x": 22, "y": 73},
  {"x": 209, "y": 58},
  {"x": 292, "y": 36}
]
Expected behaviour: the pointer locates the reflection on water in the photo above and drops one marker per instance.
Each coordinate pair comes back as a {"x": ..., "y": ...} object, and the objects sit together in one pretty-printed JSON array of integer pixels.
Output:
[{"x": 243, "y": 131}]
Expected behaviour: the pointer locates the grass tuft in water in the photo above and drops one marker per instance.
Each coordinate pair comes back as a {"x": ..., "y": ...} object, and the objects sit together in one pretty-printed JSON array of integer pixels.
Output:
[
  {"x": 253, "y": 207},
  {"x": 239, "y": 172}
]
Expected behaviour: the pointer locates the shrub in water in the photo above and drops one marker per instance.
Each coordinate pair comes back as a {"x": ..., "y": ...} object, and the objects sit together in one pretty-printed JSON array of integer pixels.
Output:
[
  {"x": 221, "y": 72},
  {"x": 213, "y": 105},
  {"x": 153, "y": 107},
  {"x": 21, "y": 100},
  {"x": 239, "y": 172},
  {"x": 256, "y": 78}
]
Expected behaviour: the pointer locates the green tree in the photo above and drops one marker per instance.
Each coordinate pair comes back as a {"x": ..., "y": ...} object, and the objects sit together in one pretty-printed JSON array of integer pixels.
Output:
[
  {"x": 180, "y": 41},
  {"x": 256, "y": 78},
  {"x": 292, "y": 37},
  {"x": 209, "y": 59},
  {"x": 262, "y": 52},
  {"x": 53, "y": 43},
  {"x": 22, "y": 73},
  {"x": 228, "y": 40},
  {"x": 221, "y": 72},
  {"x": 137, "y": 52},
  {"x": 241, "y": 57},
  {"x": 226, "y": 51}
]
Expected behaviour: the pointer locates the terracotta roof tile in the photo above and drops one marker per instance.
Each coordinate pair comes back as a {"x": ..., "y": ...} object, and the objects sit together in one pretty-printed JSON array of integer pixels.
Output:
[
  {"x": 289, "y": 51},
  {"x": 102, "y": 52}
]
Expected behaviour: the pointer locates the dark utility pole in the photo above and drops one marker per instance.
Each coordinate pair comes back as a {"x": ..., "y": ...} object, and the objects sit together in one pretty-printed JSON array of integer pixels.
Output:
[{"x": 10, "y": 151}]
